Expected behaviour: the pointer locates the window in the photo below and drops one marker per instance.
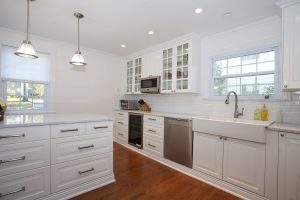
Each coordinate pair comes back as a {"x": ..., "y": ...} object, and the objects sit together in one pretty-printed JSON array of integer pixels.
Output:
[
  {"x": 254, "y": 74},
  {"x": 25, "y": 82}
]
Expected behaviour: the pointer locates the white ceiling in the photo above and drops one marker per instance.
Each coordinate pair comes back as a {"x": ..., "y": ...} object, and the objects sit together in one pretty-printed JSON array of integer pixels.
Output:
[{"x": 110, "y": 23}]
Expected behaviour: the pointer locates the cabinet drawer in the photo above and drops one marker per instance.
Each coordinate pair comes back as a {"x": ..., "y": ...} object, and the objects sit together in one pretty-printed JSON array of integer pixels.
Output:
[
  {"x": 153, "y": 131},
  {"x": 26, "y": 185},
  {"x": 121, "y": 134},
  {"x": 121, "y": 115},
  {"x": 153, "y": 146},
  {"x": 71, "y": 148},
  {"x": 121, "y": 124},
  {"x": 24, "y": 134},
  {"x": 154, "y": 120},
  {"x": 98, "y": 127},
  {"x": 65, "y": 130},
  {"x": 69, "y": 174},
  {"x": 24, "y": 156}
]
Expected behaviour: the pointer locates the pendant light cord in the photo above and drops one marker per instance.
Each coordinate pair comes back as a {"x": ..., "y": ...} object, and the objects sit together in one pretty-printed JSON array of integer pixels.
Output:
[
  {"x": 27, "y": 33},
  {"x": 78, "y": 37}
]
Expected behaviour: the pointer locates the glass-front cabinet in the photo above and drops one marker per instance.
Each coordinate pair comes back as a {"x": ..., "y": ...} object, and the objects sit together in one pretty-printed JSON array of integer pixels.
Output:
[
  {"x": 134, "y": 72},
  {"x": 177, "y": 69}
]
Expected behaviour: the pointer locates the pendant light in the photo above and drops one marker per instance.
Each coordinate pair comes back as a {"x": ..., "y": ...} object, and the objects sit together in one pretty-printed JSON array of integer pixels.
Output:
[
  {"x": 77, "y": 59},
  {"x": 26, "y": 50}
]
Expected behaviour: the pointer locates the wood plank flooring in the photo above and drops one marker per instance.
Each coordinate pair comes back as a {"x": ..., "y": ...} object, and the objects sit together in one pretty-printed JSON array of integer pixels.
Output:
[{"x": 138, "y": 177}]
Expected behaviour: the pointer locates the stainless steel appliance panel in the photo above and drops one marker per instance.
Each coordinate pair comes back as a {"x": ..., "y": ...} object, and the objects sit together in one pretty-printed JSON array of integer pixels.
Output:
[
  {"x": 178, "y": 141},
  {"x": 150, "y": 84}
]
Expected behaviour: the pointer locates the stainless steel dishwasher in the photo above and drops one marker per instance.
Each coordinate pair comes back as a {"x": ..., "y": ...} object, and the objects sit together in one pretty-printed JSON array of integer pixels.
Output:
[{"x": 178, "y": 141}]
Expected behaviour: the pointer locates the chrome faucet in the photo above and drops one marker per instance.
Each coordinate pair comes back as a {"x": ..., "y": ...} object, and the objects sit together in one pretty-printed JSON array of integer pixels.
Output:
[{"x": 236, "y": 113}]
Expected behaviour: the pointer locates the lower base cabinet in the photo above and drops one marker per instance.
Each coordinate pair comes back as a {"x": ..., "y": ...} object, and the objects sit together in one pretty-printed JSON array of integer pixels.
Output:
[
  {"x": 28, "y": 185},
  {"x": 289, "y": 166},
  {"x": 208, "y": 154},
  {"x": 244, "y": 164},
  {"x": 239, "y": 162}
]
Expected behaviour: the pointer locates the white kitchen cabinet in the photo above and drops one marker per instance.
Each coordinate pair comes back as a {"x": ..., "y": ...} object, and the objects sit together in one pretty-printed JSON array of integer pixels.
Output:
[
  {"x": 180, "y": 67},
  {"x": 208, "y": 154},
  {"x": 152, "y": 64},
  {"x": 153, "y": 134},
  {"x": 134, "y": 73},
  {"x": 289, "y": 166},
  {"x": 239, "y": 162},
  {"x": 244, "y": 164},
  {"x": 291, "y": 44}
]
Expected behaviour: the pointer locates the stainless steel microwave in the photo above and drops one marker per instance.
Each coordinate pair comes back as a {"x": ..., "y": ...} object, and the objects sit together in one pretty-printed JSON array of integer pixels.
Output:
[{"x": 150, "y": 84}]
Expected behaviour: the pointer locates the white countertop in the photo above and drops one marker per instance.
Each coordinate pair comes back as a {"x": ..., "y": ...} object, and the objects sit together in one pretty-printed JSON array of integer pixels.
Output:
[
  {"x": 46, "y": 119},
  {"x": 291, "y": 128},
  {"x": 161, "y": 114}
]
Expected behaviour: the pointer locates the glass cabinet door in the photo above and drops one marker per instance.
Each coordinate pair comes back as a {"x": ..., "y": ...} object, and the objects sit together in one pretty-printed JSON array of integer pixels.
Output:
[
  {"x": 167, "y": 70},
  {"x": 182, "y": 68},
  {"x": 137, "y": 74},
  {"x": 129, "y": 76}
]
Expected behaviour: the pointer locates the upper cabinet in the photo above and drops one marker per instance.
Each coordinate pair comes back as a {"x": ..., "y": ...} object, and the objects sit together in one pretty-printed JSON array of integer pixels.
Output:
[
  {"x": 177, "y": 62},
  {"x": 134, "y": 73},
  {"x": 291, "y": 44},
  {"x": 180, "y": 68}
]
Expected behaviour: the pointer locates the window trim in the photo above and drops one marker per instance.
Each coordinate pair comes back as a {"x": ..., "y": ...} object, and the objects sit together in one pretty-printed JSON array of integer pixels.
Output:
[
  {"x": 49, "y": 86},
  {"x": 277, "y": 76}
]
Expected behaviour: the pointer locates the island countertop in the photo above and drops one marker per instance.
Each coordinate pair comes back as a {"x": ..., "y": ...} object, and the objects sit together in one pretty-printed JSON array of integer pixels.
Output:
[{"x": 20, "y": 120}]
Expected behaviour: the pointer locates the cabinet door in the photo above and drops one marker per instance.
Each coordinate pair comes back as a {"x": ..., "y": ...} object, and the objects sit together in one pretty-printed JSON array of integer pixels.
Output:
[
  {"x": 208, "y": 154},
  {"x": 130, "y": 75},
  {"x": 137, "y": 74},
  {"x": 291, "y": 47},
  {"x": 244, "y": 164},
  {"x": 289, "y": 167},
  {"x": 182, "y": 68},
  {"x": 167, "y": 71}
]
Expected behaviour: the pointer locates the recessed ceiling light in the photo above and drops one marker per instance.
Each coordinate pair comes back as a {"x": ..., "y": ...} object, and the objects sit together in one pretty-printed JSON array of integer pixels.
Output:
[
  {"x": 227, "y": 14},
  {"x": 151, "y": 32},
  {"x": 198, "y": 10},
  {"x": 123, "y": 45}
]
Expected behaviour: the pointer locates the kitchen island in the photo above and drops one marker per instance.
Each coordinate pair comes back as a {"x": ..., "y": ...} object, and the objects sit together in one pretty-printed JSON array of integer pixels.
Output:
[{"x": 54, "y": 156}]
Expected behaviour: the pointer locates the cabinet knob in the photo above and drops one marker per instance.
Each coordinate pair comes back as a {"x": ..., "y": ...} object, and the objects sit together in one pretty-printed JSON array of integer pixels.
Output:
[
  {"x": 285, "y": 86},
  {"x": 281, "y": 134},
  {"x": 225, "y": 138},
  {"x": 221, "y": 137}
]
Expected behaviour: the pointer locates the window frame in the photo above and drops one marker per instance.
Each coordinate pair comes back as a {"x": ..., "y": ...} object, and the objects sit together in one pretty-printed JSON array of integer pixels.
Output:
[
  {"x": 49, "y": 86},
  {"x": 277, "y": 77}
]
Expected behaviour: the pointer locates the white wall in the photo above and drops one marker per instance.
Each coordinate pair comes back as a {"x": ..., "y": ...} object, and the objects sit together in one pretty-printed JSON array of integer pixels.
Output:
[
  {"x": 258, "y": 35},
  {"x": 76, "y": 91}
]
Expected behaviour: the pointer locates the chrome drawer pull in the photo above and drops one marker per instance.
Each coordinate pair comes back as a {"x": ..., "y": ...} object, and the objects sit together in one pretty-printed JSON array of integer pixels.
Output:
[
  {"x": 150, "y": 130},
  {"x": 152, "y": 119},
  {"x": 98, "y": 127},
  {"x": 12, "y": 160},
  {"x": 86, "y": 147},
  {"x": 151, "y": 145},
  {"x": 120, "y": 123},
  {"x": 13, "y": 192},
  {"x": 12, "y": 136},
  {"x": 120, "y": 113},
  {"x": 86, "y": 171},
  {"x": 121, "y": 134},
  {"x": 68, "y": 130}
]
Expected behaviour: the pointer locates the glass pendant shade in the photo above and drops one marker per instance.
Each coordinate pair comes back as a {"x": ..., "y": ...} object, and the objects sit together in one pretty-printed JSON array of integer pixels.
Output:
[
  {"x": 26, "y": 50},
  {"x": 77, "y": 59}
]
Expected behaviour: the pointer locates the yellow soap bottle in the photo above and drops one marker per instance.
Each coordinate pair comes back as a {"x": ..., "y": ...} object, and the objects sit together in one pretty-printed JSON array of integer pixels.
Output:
[{"x": 264, "y": 113}]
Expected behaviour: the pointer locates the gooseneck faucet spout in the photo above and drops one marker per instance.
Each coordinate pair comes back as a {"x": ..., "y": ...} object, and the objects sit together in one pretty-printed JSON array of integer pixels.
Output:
[{"x": 236, "y": 112}]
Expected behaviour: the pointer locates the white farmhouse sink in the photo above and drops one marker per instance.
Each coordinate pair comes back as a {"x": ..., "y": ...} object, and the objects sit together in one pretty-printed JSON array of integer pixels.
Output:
[{"x": 244, "y": 129}]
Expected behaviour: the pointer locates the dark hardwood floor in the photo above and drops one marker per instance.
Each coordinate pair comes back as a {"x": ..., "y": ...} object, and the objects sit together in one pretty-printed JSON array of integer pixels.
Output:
[{"x": 138, "y": 177}]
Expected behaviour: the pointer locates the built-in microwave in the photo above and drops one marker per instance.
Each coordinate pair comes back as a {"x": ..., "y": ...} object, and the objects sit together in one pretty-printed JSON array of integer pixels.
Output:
[{"x": 150, "y": 84}]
